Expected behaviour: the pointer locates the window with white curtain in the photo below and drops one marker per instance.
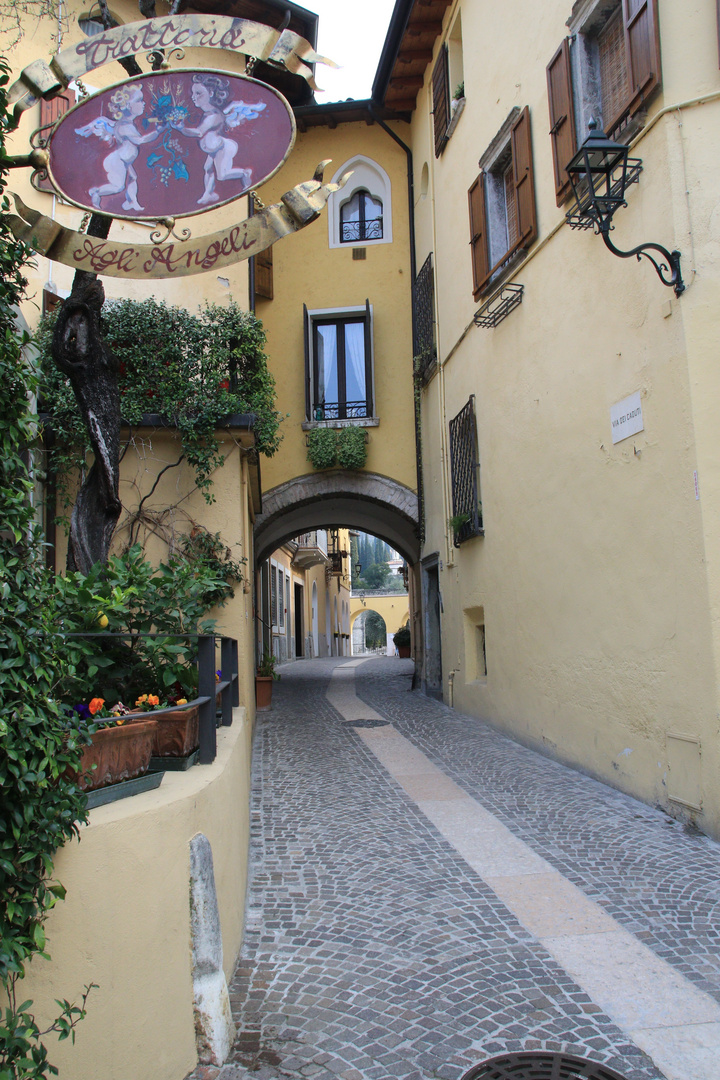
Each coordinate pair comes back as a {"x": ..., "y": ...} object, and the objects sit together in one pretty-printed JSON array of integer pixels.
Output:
[
  {"x": 361, "y": 218},
  {"x": 339, "y": 374}
]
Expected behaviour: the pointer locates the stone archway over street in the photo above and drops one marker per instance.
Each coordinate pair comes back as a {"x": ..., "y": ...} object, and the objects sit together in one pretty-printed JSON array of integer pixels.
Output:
[{"x": 365, "y": 501}]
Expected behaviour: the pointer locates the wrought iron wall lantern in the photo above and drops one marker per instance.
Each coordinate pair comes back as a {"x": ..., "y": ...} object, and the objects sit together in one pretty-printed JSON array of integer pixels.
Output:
[{"x": 600, "y": 173}]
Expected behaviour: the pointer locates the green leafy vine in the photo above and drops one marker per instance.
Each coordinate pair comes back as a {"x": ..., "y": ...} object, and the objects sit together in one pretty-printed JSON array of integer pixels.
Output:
[
  {"x": 191, "y": 370},
  {"x": 40, "y": 804}
]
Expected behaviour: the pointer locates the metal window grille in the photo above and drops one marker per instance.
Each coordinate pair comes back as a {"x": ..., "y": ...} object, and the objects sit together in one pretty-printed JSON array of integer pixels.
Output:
[
  {"x": 423, "y": 298},
  {"x": 464, "y": 469},
  {"x": 342, "y": 410},
  {"x": 361, "y": 230}
]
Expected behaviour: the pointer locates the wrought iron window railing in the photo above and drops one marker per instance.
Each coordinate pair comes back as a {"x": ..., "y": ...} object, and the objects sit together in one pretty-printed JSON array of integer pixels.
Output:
[
  {"x": 464, "y": 469},
  {"x": 342, "y": 410},
  {"x": 423, "y": 300},
  {"x": 361, "y": 230}
]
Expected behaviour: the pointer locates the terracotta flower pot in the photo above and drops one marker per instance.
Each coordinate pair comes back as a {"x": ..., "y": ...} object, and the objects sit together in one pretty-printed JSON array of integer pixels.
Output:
[
  {"x": 120, "y": 753},
  {"x": 177, "y": 733},
  {"x": 404, "y": 652},
  {"x": 263, "y": 691}
]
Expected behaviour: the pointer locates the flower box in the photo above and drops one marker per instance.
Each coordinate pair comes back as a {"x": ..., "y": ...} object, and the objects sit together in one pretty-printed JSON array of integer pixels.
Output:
[
  {"x": 177, "y": 732},
  {"x": 120, "y": 752}
]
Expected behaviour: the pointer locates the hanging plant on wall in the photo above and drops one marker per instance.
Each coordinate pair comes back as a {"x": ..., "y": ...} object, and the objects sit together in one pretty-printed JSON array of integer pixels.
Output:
[
  {"x": 352, "y": 448},
  {"x": 346, "y": 448},
  {"x": 322, "y": 448}
]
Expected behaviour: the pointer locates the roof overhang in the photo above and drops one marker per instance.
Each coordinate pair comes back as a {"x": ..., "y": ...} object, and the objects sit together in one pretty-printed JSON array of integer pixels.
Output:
[{"x": 414, "y": 28}]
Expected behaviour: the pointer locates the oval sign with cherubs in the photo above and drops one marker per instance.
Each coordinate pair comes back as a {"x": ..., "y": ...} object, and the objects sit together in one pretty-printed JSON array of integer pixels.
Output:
[{"x": 170, "y": 144}]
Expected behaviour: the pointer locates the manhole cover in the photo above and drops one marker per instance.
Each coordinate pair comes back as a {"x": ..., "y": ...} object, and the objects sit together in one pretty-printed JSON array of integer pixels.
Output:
[
  {"x": 542, "y": 1065},
  {"x": 369, "y": 723}
]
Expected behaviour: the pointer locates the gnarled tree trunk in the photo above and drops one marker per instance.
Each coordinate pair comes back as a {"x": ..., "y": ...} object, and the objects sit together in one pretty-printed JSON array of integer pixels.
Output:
[{"x": 80, "y": 352}]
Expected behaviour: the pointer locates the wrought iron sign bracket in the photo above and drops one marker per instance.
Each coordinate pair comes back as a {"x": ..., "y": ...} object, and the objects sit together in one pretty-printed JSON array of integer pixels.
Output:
[
  {"x": 667, "y": 268},
  {"x": 499, "y": 306}
]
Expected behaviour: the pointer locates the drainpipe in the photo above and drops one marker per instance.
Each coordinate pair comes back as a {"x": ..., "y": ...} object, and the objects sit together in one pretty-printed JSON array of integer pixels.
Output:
[
  {"x": 251, "y": 262},
  {"x": 413, "y": 275}
]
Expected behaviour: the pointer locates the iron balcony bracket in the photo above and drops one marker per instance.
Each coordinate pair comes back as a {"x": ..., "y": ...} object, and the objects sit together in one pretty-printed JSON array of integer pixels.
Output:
[{"x": 667, "y": 268}]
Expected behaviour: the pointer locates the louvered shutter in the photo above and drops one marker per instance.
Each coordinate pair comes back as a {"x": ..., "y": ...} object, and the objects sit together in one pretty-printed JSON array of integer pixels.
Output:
[
  {"x": 264, "y": 273},
  {"x": 642, "y": 42},
  {"x": 308, "y": 367},
  {"x": 478, "y": 235},
  {"x": 50, "y": 113},
  {"x": 524, "y": 180},
  {"x": 52, "y": 109},
  {"x": 441, "y": 100},
  {"x": 562, "y": 117}
]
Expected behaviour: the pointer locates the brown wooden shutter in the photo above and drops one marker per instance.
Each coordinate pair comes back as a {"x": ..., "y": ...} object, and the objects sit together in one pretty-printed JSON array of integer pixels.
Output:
[
  {"x": 264, "y": 274},
  {"x": 524, "y": 180},
  {"x": 50, "y": 113},
  {"x": 562, "y": 117},
  {"x": 642, "y": 42},
  {"x": 308, "y": 369},
  {"x": 478, "y": 235},
  {"x": 54, "y": 108},
  {"x": 441, "y": 100}
]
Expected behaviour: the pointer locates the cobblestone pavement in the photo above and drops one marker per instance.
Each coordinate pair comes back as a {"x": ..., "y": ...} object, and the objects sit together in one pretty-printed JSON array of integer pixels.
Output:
[{"x": 374, "y": 950}]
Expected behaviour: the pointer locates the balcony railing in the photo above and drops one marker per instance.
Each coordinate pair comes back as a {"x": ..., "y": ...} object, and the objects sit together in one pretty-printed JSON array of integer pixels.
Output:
[{"x": 351, "y": 231}]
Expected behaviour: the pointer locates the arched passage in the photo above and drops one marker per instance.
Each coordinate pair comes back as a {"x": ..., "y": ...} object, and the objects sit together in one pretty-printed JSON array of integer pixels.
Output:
[{"x": 365, "y": 501}]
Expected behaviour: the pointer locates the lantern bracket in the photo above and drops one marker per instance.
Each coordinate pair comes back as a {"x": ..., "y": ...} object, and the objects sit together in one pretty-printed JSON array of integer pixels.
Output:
[{"x": 667, "y": 268}]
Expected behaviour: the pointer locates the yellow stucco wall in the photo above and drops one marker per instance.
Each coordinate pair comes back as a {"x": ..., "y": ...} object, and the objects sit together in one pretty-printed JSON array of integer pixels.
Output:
[
  {"x": 307, "y": 271},
  {"x": 596, "y": 577},
  {"x": 125, "y": 923}
]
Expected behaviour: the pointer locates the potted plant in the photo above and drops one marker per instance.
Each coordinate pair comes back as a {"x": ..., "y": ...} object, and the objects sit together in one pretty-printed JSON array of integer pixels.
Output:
[
  {"x": 265, "y": 677},
  {"x": 120, "y": 748},
  {"x": 402, "y": 641},
  {"x": 177, "y": 731},
  {"x": 456, "y": 523}
]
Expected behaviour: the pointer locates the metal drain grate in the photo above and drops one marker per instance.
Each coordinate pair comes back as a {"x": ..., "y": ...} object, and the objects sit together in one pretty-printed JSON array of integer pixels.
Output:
[
  {"x": 541, "y": 1066},
  {"x": 369, "y": 723}
]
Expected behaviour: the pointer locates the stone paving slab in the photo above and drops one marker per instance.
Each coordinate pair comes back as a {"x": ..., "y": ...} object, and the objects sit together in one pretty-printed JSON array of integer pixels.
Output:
[
  {"x": 372, "y": 948},
  {"x": 657, "y": 878}
]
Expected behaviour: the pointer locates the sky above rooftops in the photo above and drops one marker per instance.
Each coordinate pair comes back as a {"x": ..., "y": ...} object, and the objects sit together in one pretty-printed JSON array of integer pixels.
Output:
[{"x": 353, "y": 36}]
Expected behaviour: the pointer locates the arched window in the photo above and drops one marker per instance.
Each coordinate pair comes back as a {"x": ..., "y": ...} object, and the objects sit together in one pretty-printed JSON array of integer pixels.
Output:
[
  {"x": 360, "y": 213},
  {"x": 361, "y": 218}
]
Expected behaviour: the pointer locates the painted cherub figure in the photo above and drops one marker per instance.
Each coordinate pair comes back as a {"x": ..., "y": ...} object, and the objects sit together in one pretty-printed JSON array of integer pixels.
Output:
[
  {"x": 126, "y": 105},
  {"x": 209, "y": 94}
]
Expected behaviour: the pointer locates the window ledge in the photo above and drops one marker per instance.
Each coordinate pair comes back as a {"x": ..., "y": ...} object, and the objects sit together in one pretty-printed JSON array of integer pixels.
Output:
[
  {"x": 459, "y": 109},
  {"x": 365, "y": 421},
  {"x": 504, "y": 271}
]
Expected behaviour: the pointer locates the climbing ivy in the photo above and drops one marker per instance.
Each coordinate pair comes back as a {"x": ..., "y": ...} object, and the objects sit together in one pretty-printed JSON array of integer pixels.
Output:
[
  {"x": 40, "y": 804},
  {"x": 194, "y": 370}
]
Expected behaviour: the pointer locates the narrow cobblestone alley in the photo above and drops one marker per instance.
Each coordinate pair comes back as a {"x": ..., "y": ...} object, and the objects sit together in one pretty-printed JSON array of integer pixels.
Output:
[{"x": 425, "y": 893}]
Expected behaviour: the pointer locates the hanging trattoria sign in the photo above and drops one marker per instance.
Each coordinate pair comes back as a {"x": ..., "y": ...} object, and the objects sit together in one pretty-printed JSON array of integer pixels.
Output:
[
  {"x": 170, "y": 144},
  {"x": 166, "y": 145}
]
